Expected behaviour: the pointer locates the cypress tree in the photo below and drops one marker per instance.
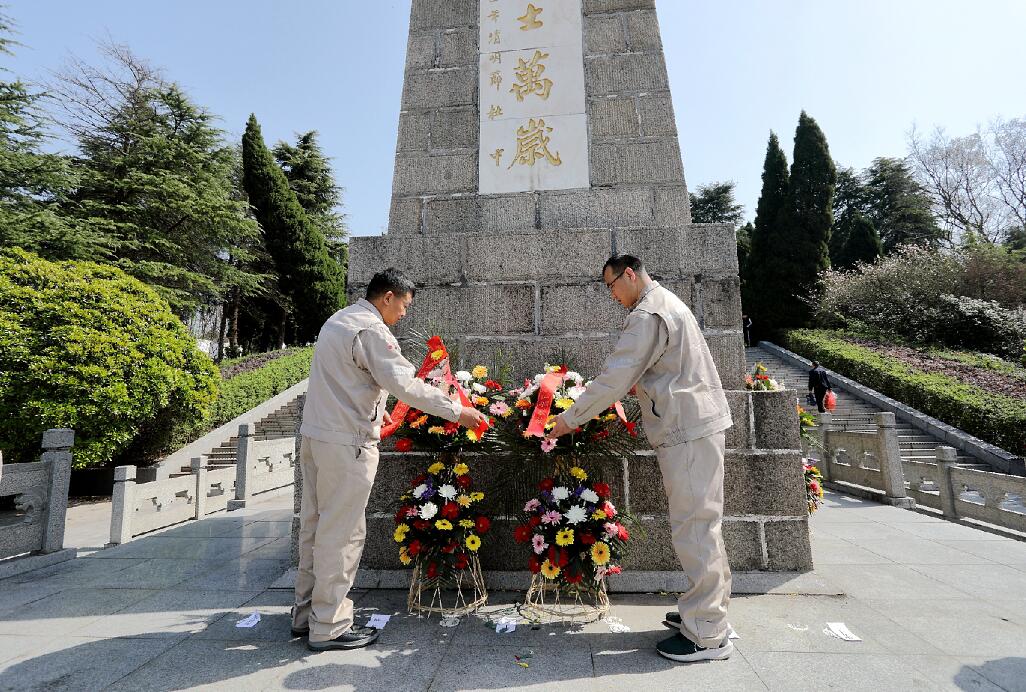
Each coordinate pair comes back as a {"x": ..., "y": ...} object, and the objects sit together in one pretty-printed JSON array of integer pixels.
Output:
[
  {"x": 808, "y": 220},
  {"x": 763, "y": 282},
  {"x": 862, "y": 243},
  {"x": 309, "y": 279}
]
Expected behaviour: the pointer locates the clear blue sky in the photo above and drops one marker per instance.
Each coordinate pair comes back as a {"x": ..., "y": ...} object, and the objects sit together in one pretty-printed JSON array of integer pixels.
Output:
[{"x": 865, "y": 69}]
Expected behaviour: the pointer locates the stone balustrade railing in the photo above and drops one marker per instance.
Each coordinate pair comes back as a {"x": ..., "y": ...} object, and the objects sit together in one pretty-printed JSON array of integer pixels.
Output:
[
  {"x": 261, "y": 465},
  {"x": 965, "y": 493},
  {"x": 863, "y": 454},
  {"x": 40, "y": 491}
]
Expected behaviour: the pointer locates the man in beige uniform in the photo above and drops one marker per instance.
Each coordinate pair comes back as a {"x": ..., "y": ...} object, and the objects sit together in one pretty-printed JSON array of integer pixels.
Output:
[
  {"x": 663, "y": 354},
  {"x": 356, "y": 364}
]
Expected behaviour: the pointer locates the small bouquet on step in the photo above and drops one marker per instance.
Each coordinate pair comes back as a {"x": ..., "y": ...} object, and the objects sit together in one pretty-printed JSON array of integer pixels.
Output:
[
  {"x": 574, "y": 540},
  {"x": 759, "y": 381},
  {"x": 440, "y": 526},
  {"x": 813, "y": 485},
  {"x": 419, "y": 431},
  {"x": 532, "y": 409}
]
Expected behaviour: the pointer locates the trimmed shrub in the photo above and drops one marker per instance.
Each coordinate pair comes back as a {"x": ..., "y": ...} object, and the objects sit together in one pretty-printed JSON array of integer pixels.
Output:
[
  {"x": 249, "y": 389},
  {"x": 994, "y": 418},
  {"x": 88, "y": 347}
]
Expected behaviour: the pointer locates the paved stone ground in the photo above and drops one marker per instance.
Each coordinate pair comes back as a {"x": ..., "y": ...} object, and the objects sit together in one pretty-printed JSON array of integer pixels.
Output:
[{"x": 938, "y": 605}]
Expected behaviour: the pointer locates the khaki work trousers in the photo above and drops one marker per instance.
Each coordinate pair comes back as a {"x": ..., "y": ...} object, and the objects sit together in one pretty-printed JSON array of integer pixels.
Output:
[
  {"x": 337, "y": 483},
  {"x": 693, "y": 479}
]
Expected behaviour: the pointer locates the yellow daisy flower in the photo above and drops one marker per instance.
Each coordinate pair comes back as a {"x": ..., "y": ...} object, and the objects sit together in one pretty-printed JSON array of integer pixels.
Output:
[
  {"x": 480, "y": 401},
  {"x": 461, "y": 469},
  {"x": 436, "y": 430},
  {"x": 419, "y": 422},
  {"x": 463, "y": 501},
  {"x": 600, "y": 553},
  {"x": 479, "y": 372},
  {"x": 553, "y": 368},
  {"x": 404, "y": 556},
  {"x": 579, "y": 473},
  {"x": 400, "y": 533},
  {"x": 467, "y": 523},
  {"x": 436, "y": 468},
  {"x": 473, "y": 543},
  {"x": 610, "y": 417},
  {"x": 472, "y": 435},
  {"x": 437, "y": 355},
  {"x": 477, "y": 497},
  {"x": 564, "y": 403},
  {"x": 598, "y": 515},
  {"x": 565, "y": 537},
  {"x": 549, "y": 570},
  {"x": 443, "y": 525}
]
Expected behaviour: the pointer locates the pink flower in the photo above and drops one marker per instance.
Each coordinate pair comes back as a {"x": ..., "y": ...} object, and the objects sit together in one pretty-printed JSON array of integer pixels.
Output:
[
  {"x": 540, "y": 546},
  {"x": 551, "y": 517},
  {"x": 611, "y": 528},
  {"x": 499, "y": 408},
  {"x": 548, "y": 445},
  {"x": 412, "y": 511},
  {"x": 532, "y": 505}
]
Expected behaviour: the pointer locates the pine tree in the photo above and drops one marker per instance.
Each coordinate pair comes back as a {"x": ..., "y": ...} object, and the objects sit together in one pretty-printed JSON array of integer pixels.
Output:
[
  {"x": 809, "y": 217},
  {"x": 310, "y": 279},
  {"x": 744, "y": 251},
  {"x": 862, "y": 243},
  {"x": 715, "y": 203},
  {"x": 898, "y": 206},
  {"x": 763, "y": 282},
  {"x": 34, "y": 185}
]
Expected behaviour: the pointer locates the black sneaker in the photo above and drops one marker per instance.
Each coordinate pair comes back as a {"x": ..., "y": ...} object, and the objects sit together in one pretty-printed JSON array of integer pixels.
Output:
[
  {"x": 357, "y": 637},
  {"x": 680, "y": 648},
  {"x": 672, "y": 620},
  {"x": 300, "y": 631}
]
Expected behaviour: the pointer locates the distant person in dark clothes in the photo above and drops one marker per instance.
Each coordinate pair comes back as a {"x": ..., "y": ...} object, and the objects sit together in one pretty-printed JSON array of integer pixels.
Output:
[
  {"x": 746, "y": 326},
  {"x": 819, "y": 384}
]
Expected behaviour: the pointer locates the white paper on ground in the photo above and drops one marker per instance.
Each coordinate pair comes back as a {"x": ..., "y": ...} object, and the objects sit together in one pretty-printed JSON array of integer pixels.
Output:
[
  {"x": 378, "y": 621},
  {"x": 841, "y": 631},
  {"x": 249, "y": 621},
  {"x": 616, "y": 625},
  {"x": 506, "y": 624},
  {"x": 731, "y": 634},
  {"x": 449, "y": 621}
]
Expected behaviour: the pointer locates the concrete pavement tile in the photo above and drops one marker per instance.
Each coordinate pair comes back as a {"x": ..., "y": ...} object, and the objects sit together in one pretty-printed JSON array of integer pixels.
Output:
[
  {"x": 209, "y": 527},
  {"x": 262, "y": 528},
  {"x": 278, "y": 549},
  {"x": 14, "y": 645},
  {"x": 243, "y": 574},
  {"x": 79, "y": 664},
  {"x": 14, "y": 596},
  {"x": 866, "y": 530},
  {"x": 1005, "y": 551},
  {"x": 837, "y": 551},
  {"x": 170, "y": 547},
  {"x": 476, "y": 667},
  {"x": 168, "y": 614},
  {"x": 918, "y": 551},
  {"x": 1008, "y": 672},
  {"x": 68, "y": 611},
  {"x": 898, "y": 609},
  {"x": 71, "y": 573},
  {"x": 796, "y": 624},
  {"x": 980, "y": 636},
  {"x": 946, "y": 529},
  {"x": 216, "y": 665},
  {"x": 644, "y": 669},
  {"x": 870, "y": 672},
  {"x": 377, "y": 667},
  {"x": 887, "y": 581},
  {"x": 979, "y": 580},
  {"x": 156, "y": 573}
]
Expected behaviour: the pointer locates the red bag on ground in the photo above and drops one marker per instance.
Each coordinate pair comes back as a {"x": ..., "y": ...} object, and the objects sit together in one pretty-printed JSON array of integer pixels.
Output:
[{"x": 830, "y": 401}]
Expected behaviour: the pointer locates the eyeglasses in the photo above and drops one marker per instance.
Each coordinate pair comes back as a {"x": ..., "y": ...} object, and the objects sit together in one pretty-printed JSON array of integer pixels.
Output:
[{"x": 610, "y": 284}]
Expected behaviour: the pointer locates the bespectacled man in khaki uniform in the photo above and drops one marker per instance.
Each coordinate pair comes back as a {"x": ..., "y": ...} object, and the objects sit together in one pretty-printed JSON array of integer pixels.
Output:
[
  {"x": 356, "y": 364},
  {"x": 663, "y": 354}
]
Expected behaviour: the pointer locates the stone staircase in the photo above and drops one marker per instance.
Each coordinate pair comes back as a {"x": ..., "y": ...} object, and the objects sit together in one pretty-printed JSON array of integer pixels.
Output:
[
  {"x": 916, "y": 445},
  {"x": 281, "y": 423}
]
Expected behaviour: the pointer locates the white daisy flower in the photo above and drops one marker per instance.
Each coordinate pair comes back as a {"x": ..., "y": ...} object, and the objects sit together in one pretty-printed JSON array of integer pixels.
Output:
[
  {"x": 560, "y": 493},
  {"x": 464, "y": 376},
  {"x": 589, "y": 496},
  {"x": 447, "y": 491},
  {"x": 420, "y": 490},
  {"x": 575, "y": 376},
  {"x": 575, "y": 515},
  {"x": 575, "y": 392},
  {"x": 479, "y": 388},
  {"x": 428, "y": 510}
]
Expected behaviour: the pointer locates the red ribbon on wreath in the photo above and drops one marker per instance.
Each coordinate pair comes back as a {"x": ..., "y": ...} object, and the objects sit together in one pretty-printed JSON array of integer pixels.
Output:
[
  {"x": 431, "y": 361},
  {"x": 546, "y": 391}
]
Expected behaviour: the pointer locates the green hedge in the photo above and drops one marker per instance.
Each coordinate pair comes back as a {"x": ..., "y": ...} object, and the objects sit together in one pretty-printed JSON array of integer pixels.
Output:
[
  {"x": 250, "y": 389},
  {"x": 994, "y": 418},
  {"x": 88, "y": 347}
]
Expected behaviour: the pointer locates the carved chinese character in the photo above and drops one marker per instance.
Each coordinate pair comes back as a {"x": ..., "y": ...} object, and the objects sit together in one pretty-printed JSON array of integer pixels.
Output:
[
  {"x": 533, "y": 144},
  {"x": 495, "y": 37},
  {"x": 496, "y": 79},
  {"x": 497, "y": 156},
  {"x": 495, "y": 57},
  {"x": 494, "y": 15},
  {"x": 530, "y": 19},
  {"x": 529, "y": 78},
  {"x": 494, "y": 112}
]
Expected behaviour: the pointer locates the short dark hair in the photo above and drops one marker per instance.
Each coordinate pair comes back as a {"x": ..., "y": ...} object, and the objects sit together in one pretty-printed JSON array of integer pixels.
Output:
[
  {"x": 620, "y": 263},
  {"x": 390, "y": 279},
  {"x": 815, "y": 363}
]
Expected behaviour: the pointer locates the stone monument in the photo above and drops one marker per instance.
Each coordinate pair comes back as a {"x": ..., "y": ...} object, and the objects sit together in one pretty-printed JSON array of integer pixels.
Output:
[{"x": 535, "y": 139}]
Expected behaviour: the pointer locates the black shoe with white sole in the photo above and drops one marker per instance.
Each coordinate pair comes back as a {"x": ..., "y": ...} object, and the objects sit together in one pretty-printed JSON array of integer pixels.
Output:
[
  {"x": 672, "y": 620},
  {"x": 680, "y": 648},
  {"x": 357, "y": 637}
]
